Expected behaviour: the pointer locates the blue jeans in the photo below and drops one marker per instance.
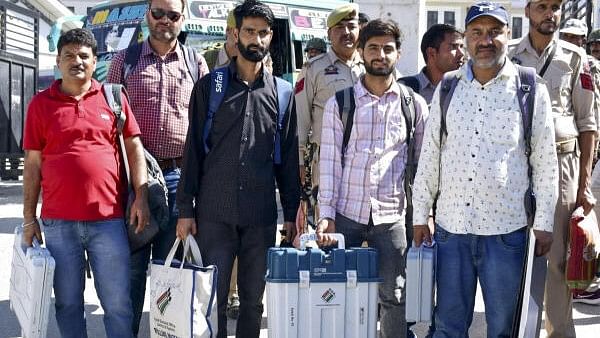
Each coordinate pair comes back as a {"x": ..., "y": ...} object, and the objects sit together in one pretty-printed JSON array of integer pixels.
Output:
[
  {"x": 159, "y": 247},
  {"x": 108, "y": 251},
  {"x": 497, "y": 262},
  {"x": 390, "y": 242}
]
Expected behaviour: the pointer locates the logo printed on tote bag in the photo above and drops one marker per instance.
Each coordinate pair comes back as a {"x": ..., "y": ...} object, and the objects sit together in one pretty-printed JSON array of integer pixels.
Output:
[
  {"x": 328, "y": 295},
  {"x": 163, "y": 301}
]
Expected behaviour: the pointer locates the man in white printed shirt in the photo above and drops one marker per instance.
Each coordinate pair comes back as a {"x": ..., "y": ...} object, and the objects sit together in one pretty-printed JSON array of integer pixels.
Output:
[
  {"x": 481, "y": 221},
  {"x": 363, "y": 197}
]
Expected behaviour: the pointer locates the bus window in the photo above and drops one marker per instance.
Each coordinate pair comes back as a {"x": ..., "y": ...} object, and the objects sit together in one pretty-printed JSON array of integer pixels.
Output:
[
  {"x": 299, "y": 54},
  {"x": 280, "y": 49}
]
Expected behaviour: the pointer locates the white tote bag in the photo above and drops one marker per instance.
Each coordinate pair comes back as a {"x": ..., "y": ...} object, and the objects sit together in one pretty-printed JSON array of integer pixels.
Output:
[{"x": 183, "y": 296}]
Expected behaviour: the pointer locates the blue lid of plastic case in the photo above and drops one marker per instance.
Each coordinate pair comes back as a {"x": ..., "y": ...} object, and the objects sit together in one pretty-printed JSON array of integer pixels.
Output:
[{"x": 284, "y": 264}]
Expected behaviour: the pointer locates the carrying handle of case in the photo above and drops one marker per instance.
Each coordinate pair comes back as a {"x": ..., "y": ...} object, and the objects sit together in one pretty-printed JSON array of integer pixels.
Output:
[{"x": 341, "y": 241}]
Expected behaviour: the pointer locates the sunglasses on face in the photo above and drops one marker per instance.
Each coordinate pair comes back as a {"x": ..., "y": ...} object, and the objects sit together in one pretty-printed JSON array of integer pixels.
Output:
[{"x": 159, "y": 13}]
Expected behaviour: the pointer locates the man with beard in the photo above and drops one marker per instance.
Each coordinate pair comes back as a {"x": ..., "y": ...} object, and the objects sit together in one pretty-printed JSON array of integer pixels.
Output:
[
  {"x": 324, "y": 75},
  {"x": 229, "y": 173},
  {"x": 443, "y": 50},
  {"x": 159, "y": 87},
  {"x": 564, "y": 68},
  {"x": 477, "y": 171},
  {"x": 362, "y": 193}
]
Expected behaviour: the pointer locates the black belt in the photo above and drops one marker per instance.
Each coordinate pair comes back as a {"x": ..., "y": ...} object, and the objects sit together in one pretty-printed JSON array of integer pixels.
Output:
[{"x": 170, "y": 163}]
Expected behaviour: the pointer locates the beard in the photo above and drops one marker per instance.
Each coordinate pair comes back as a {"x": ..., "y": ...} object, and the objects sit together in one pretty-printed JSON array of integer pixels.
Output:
[
  {"x": 256, "y": 55},
  {"x": 546, "y": 27},
  {"x": 167, "y": 35},
  {"x": 378, "y": 71}
]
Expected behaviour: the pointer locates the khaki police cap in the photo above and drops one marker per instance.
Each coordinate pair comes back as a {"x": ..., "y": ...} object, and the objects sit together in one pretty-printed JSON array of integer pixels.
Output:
[
  {"x": 344, "y": 12},
  {"x": 230, "y": 19},
  {"x": 575, "y": 27},
  {"x": 594, "y": 36}
]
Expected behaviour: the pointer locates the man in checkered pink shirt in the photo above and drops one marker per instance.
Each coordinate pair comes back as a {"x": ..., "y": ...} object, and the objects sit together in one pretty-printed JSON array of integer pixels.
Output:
[
  {"x": 159, "y": 87},
  {"x": 361, "y": 191}
]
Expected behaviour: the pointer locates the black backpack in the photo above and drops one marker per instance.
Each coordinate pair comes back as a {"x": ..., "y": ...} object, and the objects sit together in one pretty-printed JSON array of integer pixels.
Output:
[
  {"x": 412, "y": 82},
  {"x": 526, "y": 82},
  {"x": 157, "y": 187},
  {"x": 133, "y": 52},
  {"x": 347, "y": 105}
]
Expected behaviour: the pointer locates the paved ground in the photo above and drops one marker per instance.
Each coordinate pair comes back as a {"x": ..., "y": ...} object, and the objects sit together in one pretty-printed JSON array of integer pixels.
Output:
[{"x": 587, "y": 318}]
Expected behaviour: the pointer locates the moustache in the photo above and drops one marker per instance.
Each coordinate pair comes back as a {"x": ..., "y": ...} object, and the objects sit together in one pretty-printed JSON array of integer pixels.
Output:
[
  {"x": 380, "y": 61},
  {"x": 78, "y": 68},
  {"x": 486, "y": 49}
]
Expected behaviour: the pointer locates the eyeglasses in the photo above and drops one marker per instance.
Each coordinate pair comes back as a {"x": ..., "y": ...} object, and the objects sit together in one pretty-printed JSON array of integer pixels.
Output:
[{"x": 159, "y": 13}]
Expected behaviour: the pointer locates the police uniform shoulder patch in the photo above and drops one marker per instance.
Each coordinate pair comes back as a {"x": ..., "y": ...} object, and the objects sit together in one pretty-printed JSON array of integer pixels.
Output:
[
  {"x": 299, "y": 86},
  {"x": 586, "y": 81},
  {"x": 331, "y": 70}
]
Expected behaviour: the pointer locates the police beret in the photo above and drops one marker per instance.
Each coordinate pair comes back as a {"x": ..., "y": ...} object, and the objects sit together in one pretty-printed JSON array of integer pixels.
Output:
[
  {"x": 316, "y": 43},
  {"x": 575, "y": 27},
  {"x": 231, "y": 19},
  {"x": 347, "y": 11},
  {"x": 594, "y": 36}
]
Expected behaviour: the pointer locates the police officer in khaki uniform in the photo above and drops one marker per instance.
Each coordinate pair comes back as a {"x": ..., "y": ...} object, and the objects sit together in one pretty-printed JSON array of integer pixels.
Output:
[
  {"x": 574, "y": 31},
  {"x": 326, "y": 74},
  {"x": 571, "y": 93}
]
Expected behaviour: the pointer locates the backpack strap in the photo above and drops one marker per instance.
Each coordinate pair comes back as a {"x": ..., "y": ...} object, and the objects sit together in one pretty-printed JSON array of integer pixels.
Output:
[
  {"x": 407, "y": 104},
  {"x": 412, "y": 82},
  {"x": 191, "y": 61},
  {"x": 112, "y": 93},
  {"x": 284, "y": 96},
  {"x": 132, "y": 55},
  {"x": 447, "y": 88},
  {"x": 219, "y": 80},
  {"x": 133, "y": 52},
  {"x": 526, "y": 96},
  {"x": 346, "y": 108}
]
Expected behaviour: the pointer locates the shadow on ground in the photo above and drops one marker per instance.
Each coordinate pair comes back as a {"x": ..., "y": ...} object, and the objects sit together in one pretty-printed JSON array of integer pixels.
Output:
[
  {"x": 8, "y": 224},
  {"x": 10, "y": 325}
]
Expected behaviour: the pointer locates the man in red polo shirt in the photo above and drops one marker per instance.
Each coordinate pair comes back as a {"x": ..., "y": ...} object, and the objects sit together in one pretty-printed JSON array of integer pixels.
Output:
[{"x": 72, "y": 156}]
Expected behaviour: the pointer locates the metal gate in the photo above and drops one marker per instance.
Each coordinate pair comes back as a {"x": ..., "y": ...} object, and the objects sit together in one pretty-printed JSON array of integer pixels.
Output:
[
  {"x": 579, "y": 9},
  {"x": 19, "y": 52}
]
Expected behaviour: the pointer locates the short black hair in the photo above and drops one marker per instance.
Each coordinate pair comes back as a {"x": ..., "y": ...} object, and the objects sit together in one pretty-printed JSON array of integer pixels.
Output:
[
  {"x": 253, "y": 8},
  {"x": 363, "y": 18},
  {"x": 183, "y": 4},
  {"x": 78, "y": 36},
  {"x": 435, "y": 35},
  {"x": 379, "y": 27}
]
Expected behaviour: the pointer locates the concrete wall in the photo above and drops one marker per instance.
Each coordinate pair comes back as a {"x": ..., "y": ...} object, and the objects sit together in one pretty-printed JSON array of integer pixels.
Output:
[{"x": 406, "y": 14}]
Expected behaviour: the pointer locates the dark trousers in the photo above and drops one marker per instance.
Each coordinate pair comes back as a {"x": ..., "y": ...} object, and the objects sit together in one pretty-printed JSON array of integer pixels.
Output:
[
  {"x": 390, "y": 241},
  {"x": 220, "y": 244},
  {"x": 159, "y": 248}
]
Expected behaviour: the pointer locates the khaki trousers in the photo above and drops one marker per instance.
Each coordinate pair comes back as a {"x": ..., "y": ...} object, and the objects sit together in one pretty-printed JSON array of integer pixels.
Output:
[{"x": 558, "y": 298}]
